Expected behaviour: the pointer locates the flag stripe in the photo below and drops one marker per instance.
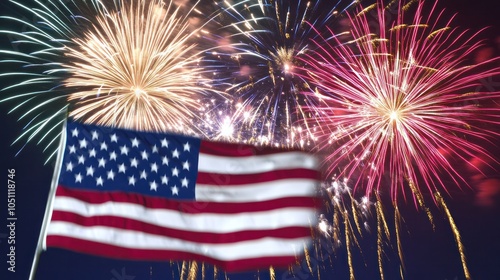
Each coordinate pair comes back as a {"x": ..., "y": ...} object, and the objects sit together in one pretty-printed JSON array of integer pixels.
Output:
[
  {"x": 255, "y": 164},
  {"x": 194, "y": 207},
  {"x": 230, "y": 150},
  {"x": 107, "y": 250},
  {"x": 249, "y": 179},
  {"x": 140, "y": 240},
  {"x": 200, "y": 237},
  {"x": 201, "y": 222},
  {"x": 260, "y": 192}
]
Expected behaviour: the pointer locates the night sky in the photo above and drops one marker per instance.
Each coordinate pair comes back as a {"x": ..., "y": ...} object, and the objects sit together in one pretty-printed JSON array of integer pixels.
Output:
[{"x": 428, "y": 254}]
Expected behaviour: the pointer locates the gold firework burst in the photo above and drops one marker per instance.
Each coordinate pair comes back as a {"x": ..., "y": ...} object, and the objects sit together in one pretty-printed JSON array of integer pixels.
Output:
[{"x": 136, "y": 67}]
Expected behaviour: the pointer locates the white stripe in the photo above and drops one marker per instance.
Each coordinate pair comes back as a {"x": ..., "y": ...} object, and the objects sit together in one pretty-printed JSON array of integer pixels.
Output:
[
  {"x": 216, "y": 223},
  {"x": 255, "y": 164},
  {"x": 139, "y": 240},
  {"x": 257, "y": 192}
]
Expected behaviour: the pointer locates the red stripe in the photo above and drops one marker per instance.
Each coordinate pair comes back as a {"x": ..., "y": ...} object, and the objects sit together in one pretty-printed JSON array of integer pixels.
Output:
[
  {"x": 191, "y": 207},
  {"x": 248, "y": 179},
  {"x": 238, "y": 150},
  {"x": 106, "y": 250},
  {"x": 198, "y": 237}
]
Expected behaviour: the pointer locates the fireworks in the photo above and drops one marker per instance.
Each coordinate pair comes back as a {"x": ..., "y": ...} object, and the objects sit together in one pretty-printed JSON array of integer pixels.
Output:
[
  {"x": 402, "y": 103},
  {"x": 404, "y": 96},
  {"x": 261, "y": 47},
  {"x": 391, "y": 99},
  {"x": 134, "y": 64},
  {"x": 137, "y": 62},
  {"x": 226, "y": 121}
]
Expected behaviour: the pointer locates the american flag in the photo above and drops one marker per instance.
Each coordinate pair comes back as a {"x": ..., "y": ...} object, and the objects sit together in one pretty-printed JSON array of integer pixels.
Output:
[{"x": 148, "y": 196}]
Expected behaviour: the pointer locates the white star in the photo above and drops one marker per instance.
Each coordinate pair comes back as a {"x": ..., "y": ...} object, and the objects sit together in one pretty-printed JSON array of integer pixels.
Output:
[
  {"x": 102, "y": 162},
  {"x": 133, "y": 162},
  {"x": 90, "y": 171},
  {"x": 164, "y": 143},
  {"x": 111, "y": 175},
  {"x": 185, "y": 182},
  {"x": 175, "y": 172},
  {"x": 78, "y": 178},
  {"x": 155, "y": 149},
  {"x": 112, "y": 155},
  {"x": 187, "y": 147},
  {"x": 114, "y": 138},
  {"x": 72, "y": 149},
  {"x": 185, "y": 165},
  {"x": 153, "y": 186},
  {"x": 164, "y": 160},
  {"x": 175, "y": 190},
  {"x": 81, "y": 159},
  {"x": 135, "y": 142},
  {"x": 144, "y": 155},
  {"x": 131, "y": 180},
  {"x": 69, "y": 166},
  {"x": 124, "y": 150},
  {"x": 175, "y": 154},
  {"x": 154, "y": 167},
  {"x": 83, "y": 143},
  {"x": 92, "y": 153},
  {"x": 144, "y": 175},
  {"x": 99, "y": 181},
  {"x": 122, "y": 168},
  {"x": 104, "y": 146},
  {"x": 164, "y": 179},
  {"x": 74, "y": 132},
  {"x": 95, "y": 135}
]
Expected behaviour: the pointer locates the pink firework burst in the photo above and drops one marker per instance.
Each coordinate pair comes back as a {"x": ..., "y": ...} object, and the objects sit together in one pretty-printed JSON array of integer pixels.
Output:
[{"x": 402, "y": 100}]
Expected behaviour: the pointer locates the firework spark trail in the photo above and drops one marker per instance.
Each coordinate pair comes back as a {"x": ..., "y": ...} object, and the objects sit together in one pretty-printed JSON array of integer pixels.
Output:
[
  {"x": 308, "y": 259},
  {"x": 183, "y": 270},
  {"x": 421, "y": 203},
  {"x": 456, "y": 233},
  {"x": 260, "y": 50},
  {"x": 203, "y": 271},
  {"x": 397, "y": 222},
  {"x": 272, "y": 273},
  {"x": 348, "y": 245},
  {"x": 379, "y": 244},
  {"x": 398, "y": 97},
  {"x": 193, "y": 270},
  {"x": 132, "y": 64}
]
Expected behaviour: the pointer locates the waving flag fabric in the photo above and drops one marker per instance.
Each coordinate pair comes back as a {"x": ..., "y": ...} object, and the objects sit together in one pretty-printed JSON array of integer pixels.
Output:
[{"x": 146, "y": 196}]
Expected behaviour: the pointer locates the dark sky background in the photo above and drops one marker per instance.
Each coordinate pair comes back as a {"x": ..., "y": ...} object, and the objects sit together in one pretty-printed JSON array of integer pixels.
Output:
[{"x": 428, "y": 254}]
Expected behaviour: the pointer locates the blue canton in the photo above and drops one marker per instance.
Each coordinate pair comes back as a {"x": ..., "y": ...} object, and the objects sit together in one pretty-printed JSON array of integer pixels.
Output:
[{"x": 108, "y": 159}]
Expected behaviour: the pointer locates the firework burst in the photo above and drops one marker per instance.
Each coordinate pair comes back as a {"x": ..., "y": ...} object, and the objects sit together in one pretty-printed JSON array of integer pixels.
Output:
[
  {"x": 404, "y": 96},
  {"x": 401, "y": 104},
  {"x": 261, "y": 47},
  {"x": 139, "y": 68},
  {"x": 133, "y": 64}
]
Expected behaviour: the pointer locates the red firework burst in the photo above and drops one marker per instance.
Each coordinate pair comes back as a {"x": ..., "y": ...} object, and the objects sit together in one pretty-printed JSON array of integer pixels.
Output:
[{"x": 401, "y": 100}]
